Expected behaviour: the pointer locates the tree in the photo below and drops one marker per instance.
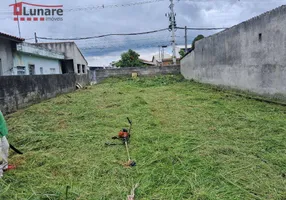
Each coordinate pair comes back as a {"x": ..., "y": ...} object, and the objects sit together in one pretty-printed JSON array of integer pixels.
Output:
[
  {"x": 199, "y": 37},
  {"x": 129, "y": 59},
  {"x": 182, "y": 52}
]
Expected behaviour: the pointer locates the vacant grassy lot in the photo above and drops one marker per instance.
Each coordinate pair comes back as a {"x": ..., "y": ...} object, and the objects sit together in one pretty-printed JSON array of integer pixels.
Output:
[{"x": 189, "y": 141}]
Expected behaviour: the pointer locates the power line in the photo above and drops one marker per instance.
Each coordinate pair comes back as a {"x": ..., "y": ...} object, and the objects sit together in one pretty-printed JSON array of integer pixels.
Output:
[
  {"x": 123, "y": 34},
  {"x": 106, "y": 35},
  {"x": 118, "y": 45},
  {"x": 112, "y": 46},
  {"x": 202, "y": 29},
  {"x": 115, "y": 45},
  {"x": 104, "y": 6},
  {"x": 96, "y": 49},
  {"x": 126, "y": 39}
]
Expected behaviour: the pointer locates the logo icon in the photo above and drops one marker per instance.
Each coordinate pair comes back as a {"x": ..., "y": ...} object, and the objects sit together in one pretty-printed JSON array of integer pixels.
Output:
[{"x": 34, "y": 12}]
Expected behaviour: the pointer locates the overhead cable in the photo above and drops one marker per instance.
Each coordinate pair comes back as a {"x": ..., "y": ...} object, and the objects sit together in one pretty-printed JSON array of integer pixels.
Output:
[
  {"x": 202, "y": 29},
  {"x": 101, "y": 36},
  {"x": 104, "y": 6}
]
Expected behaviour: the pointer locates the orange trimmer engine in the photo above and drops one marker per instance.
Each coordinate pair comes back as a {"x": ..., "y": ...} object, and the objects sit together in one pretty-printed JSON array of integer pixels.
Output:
[{"x": 123, "y": 135}]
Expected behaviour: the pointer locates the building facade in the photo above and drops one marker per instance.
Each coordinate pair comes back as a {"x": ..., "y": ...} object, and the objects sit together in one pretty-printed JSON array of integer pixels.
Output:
[
  {"x": 74, "y": 62},
  {"x": 33, "y": 60},
  {"x": 20, "y": 58},
  {"x": 8, "y": 45}
]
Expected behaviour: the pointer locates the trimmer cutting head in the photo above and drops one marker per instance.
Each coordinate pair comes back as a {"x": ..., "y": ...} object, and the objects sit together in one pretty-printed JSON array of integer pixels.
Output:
[{"x": 130, "y": 163}]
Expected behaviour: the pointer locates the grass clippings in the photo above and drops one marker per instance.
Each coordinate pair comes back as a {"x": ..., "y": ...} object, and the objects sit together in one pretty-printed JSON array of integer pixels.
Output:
[{"x": 189, "y": 142}]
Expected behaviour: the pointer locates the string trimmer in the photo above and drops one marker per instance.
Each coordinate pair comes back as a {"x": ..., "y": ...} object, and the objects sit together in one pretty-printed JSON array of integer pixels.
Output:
[
  {"x": 15, "y": 149},
  {"x": 124, "y": 135}
]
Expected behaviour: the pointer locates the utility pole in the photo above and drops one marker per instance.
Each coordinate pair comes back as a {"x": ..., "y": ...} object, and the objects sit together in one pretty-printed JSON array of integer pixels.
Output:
[
  {"x": 163, "y": 52},
  {"x": 36, "y": 39},
  {"x": 159, "y": 59},
  {"x": 173, "y": 26},
  {"x": 186, "y": 40},
  {"x": 159, "y": 55}
]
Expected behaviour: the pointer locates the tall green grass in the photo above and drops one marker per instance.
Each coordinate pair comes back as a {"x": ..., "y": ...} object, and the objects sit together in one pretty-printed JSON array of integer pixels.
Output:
[{"x": 189, "y": 142}]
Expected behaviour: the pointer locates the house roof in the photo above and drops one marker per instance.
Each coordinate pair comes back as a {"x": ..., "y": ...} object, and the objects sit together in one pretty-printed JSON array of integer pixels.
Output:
[
  {"x": 146, "y": 62},
  {"x": 157, "y": 56},
  {"x": 170, "y": 59},
  {"x": 11, "y": 37},
  {"x": 29, "y": 48}
]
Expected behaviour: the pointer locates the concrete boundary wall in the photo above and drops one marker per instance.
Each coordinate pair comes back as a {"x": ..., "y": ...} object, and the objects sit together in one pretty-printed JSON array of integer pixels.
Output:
[
  {"x": 101, "y": 74},
  {"x": 17, "y": 92},
  {"x": 250, "y": 56}
]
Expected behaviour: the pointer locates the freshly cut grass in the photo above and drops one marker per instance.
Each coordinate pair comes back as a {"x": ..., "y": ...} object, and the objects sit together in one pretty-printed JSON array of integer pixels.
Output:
[{"x": 189, "y": 141}]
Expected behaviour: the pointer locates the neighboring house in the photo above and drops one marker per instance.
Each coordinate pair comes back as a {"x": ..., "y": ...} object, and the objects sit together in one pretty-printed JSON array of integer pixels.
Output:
[
  {"x": 169, "y": 61},
  {"x": 157, "y": 59},
  {"x": 33, "y": 60},
  {"x": 8, "y": 45},
  {"x": 146, "y": 62},
  {"x": 20, "y": 58},
  {"x": 74, "y": 61}
]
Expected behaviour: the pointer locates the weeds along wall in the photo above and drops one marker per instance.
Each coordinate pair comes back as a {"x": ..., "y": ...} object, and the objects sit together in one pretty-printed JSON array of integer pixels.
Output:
[
  {"x": 249, "y": 56},
  {"x": 17, "y": 92},
  {"x": 101, "y": 74}
]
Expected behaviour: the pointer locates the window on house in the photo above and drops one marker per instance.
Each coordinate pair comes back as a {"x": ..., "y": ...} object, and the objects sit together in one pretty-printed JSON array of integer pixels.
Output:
[
  {"x": 41, "y": 70},
  {"x": 260, "y": 37},
  {"x": 83, "y": 69},
  {"x": 78, "y": 68},
  {"x": 21, "y": 70},
  {"x": 31, "y": 69},
  {"x": 52, "y": 70}
]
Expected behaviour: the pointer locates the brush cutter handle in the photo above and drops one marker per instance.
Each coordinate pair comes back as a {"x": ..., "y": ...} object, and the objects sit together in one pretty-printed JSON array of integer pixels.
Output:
[
  {"x": 130, "y": 125},
  {"x": 130, "y": 122}
]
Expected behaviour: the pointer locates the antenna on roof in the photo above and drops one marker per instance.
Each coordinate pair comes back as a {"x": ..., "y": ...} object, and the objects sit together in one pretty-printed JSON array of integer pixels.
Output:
[
  {"x": 36, "y": 39},
  {"x": 18, "y": 22}
]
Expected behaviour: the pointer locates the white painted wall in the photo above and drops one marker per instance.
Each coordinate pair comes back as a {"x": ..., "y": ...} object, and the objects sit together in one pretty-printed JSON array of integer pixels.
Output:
[
  {"x": 23, "y": 59},
  {"x": 6, "y": 57},
  {"x": 39, "y": 51},
  {"x": 70, "y": 51}
]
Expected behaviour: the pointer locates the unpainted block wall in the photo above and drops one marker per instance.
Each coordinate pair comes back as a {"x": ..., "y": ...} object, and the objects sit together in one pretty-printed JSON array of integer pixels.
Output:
[
  {"x": 250, "y": 56},
  {"x": 102, "y": 74},
  {"x": 17, "y": 92}
]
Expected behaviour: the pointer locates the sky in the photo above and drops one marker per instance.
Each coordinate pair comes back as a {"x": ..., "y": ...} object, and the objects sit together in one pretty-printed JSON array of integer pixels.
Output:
[{"x": 98, "y": 17}]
